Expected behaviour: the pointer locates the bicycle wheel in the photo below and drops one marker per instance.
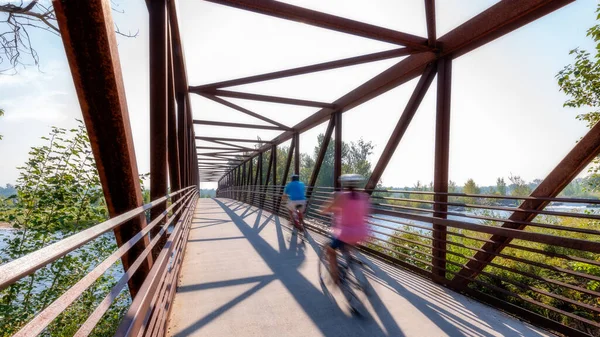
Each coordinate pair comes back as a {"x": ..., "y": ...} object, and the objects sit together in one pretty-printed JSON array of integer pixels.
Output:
[
  {"x": 324, "y": 268},
  {"x": 346, "y": 291}
]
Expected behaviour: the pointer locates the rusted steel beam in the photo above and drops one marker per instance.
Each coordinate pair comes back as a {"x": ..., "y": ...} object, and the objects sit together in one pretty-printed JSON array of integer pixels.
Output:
[
  {"x": 274, "y": 154},
  {"x": 182, "y": 137},
  {"x": 243, "y": 110},
  {"x": 238, "y": 125},
  {"x": 201, "y": 160},
  {"x": 88, "y": 35},
  {"x": 220, "y": 156},
  {"x": 220, "y": 153},
  {"x": 328, "y": 21},
  {"x": 288, "y": 162},
  {"x": 384, "y": 55},
  {"x": 441, "y": 166},
  {"x": 173, "y": 154},
  {"x": 492, "y": 23},
  {"x": 181, "y": 82},
  {"x": 269, "y": 168},
  {"x": 236, "y": 140},
  {"x": 496, "y": 21},
  {"x": 322, "y": 152},
  {"x": 297, "y": 154},
  {"x": 265, "y": 98},
  {"x": 431, "y": 27},
  {"x": 158, "y": 108},
  {"x": 407, "y": 115},
  {"x": 243, "y": 148},
  {"x": 572, "y": 164},
  {"x": 337, "y": 153},
  {"x": 225, "y": 149},
  {"x": 260, "y": 169},
  {"x": 320, "y": 158}
]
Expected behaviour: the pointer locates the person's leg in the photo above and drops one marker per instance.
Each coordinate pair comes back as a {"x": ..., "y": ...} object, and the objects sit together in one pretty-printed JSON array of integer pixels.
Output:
[
  {"x": 301, "y": 214},
  {"x": 332, "y": 258},
  {"x": 290, "y": 208}
]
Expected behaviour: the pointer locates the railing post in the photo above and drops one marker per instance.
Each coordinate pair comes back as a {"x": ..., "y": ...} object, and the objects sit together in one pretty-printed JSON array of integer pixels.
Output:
[
  {"x": 337, "y": 156},
  {"x": 440, "y": 179}
]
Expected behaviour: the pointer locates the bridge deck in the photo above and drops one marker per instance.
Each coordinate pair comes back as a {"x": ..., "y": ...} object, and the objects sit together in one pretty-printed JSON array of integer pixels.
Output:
[{"x": 246, "y": 274}]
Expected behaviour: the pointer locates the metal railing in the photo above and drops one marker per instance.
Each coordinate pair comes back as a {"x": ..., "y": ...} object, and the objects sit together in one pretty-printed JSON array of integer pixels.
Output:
[
  {"x": 545, "y": 270},
  {"x": 149, "y": 309}
]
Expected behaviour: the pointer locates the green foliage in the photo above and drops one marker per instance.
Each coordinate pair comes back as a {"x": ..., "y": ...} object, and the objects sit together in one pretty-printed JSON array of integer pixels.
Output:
[
  {"x": 413, "y": 246},
  {"x": 581, "y": 82},
  {"x": 471, "y": 188},
  {"x": 355, "y": 159},
  {"x": 207, "y": 193},
  {"x": 58, "y": 194},
  {"x": 500, "y": 186},
  {"x": 518, "y": 187}
]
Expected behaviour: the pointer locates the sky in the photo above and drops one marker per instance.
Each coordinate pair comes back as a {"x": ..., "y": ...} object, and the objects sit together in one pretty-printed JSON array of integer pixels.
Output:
[{"x": 507, "y": 114}]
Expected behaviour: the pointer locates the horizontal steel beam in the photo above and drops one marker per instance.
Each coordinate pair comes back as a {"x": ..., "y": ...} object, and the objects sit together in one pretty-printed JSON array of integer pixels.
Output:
[
  {"x": 351, "y": 61},
  {"x": 262, "y": 98},
  {"x": 328, "y": 21},
  {"x": 238, "y": 125},
  {"x": 235, "y": 140},
  {"x": 224, "y": 150},
  {"x": 240, "y": 109}
]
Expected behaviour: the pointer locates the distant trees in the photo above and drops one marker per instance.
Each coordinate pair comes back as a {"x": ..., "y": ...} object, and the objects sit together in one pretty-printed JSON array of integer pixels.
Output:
[
  {"x": 500, "y": 186},
  {"x": 471, "y": 187}
]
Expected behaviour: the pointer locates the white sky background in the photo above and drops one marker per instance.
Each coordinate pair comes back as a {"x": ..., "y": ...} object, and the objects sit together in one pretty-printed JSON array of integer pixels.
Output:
[{"x": 507, "y": 114}]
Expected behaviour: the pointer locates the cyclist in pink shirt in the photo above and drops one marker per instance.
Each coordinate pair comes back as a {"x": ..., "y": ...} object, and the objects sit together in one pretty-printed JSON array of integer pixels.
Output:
[{"x": 350, "y": 209}]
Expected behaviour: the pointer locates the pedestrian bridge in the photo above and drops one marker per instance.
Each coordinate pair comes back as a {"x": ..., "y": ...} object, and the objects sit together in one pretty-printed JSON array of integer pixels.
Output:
[
  {"x": 247, "y": 273},
  {"x": 439, "y": 263}
]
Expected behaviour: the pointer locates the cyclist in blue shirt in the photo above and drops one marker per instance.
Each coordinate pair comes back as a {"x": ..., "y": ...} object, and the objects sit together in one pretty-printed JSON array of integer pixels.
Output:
[{"x": 295, "y": 193}]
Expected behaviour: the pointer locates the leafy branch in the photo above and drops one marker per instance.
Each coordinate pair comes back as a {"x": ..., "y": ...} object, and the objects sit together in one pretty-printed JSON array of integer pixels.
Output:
[{"x": 16, "y": 21}]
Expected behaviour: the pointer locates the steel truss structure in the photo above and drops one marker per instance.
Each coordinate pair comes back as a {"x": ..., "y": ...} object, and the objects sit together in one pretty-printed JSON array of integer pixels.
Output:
[{"x": 177, "y": 168}]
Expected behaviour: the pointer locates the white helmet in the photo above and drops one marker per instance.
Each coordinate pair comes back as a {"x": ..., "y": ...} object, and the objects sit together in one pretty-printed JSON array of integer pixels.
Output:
[{"x": 351, "y": 180}]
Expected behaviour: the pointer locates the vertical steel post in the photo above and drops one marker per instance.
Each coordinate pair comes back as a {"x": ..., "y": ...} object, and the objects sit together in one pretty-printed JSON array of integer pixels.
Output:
[
  {"x": 181, "y": 138},
  {"x": 297, "y": 154},
  {"x": 337, "y": 156},
  {"x": 158, "y": 109},
  {"x": 274, "y": 154},
  {"x": 90, "y": 43},
  {"x": 440, "y": 179},
  {"x": 173, "y": 153}
]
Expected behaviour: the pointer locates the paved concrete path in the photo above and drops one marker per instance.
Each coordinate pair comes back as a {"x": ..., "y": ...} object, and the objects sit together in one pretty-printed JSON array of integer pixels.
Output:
[{"x": 246, "y": 274}]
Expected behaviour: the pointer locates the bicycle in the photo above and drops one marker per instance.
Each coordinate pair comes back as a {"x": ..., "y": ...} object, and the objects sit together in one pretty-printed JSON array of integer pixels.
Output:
[
  {"x": 352, "y": 280},
  {"x": 298, "y": 218}
]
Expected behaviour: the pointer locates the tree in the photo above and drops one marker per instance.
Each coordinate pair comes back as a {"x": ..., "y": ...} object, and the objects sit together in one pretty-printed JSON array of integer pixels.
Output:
[
  {"x": 17, "y": 20},
  {"x": 58, "y": 194},
  {"x": 581, "y": 82},
  {"x": 471, "y": 187},
  {"x": 452, "y": 187},
  {"x": 501, "y": 186},
  {"x": 518, "y": 187}
]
